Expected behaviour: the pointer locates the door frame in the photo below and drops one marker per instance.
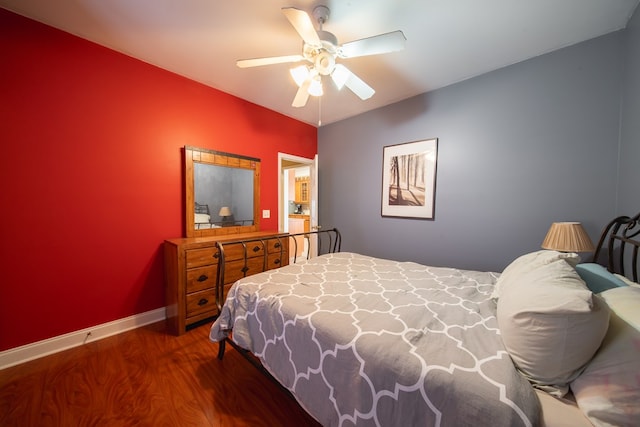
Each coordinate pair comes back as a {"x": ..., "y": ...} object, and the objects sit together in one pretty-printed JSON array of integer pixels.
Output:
[{"x": 289, "y": 161}]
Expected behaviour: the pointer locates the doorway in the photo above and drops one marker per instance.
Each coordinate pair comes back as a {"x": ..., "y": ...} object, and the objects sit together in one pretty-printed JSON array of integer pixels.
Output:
[{"x": 297, "y": 200}]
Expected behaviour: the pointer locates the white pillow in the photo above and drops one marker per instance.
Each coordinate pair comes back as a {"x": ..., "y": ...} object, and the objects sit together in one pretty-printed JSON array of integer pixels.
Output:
[
  {"x": 530, "y": 262},
  {"x": 551, "y": 324},
  {"x": 626, "y": 280},
  {"x": 201, "y": 218},
  {"x": 608, "y": 391}
]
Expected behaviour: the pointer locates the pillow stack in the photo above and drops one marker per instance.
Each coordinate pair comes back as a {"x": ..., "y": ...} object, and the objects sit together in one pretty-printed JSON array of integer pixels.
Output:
[
  {"x": 550, "y": 322},
  {"x": 608, "y": 391}
]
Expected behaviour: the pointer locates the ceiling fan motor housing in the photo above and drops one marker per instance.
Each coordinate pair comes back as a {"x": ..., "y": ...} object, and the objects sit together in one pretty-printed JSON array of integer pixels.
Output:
[{"x": 323, "y": 57}]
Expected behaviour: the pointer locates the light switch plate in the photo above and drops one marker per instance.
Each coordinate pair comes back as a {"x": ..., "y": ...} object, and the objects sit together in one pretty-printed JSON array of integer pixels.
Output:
[{"x": 266, "y": 213}]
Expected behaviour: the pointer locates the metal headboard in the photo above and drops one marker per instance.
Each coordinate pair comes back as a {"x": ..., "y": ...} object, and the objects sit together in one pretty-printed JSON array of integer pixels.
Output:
[
  {"x": 619, "y": 242},
  {"x": 201, "y": 208}
]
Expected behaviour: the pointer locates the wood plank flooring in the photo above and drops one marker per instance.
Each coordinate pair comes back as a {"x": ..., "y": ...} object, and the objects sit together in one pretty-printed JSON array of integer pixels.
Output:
[{"x": 145, "y": 377}]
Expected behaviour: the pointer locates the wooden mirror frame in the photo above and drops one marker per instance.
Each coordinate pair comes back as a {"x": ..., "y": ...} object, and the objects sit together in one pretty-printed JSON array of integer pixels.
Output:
[{"x": 210, "y": 157}]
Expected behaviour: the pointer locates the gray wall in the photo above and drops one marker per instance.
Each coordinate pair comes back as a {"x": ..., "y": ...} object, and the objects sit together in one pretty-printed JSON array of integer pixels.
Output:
[
  {"x": 519, "y": 148},
  {"x": 629, "y": 187}
]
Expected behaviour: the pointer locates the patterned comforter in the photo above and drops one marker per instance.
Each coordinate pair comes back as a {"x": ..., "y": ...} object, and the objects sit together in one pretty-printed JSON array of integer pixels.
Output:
[{"x": 366, "y": 341}]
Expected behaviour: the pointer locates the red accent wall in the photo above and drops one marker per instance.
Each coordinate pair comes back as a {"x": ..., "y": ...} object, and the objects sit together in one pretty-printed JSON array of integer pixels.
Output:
[{"x": 92, "y": 177}]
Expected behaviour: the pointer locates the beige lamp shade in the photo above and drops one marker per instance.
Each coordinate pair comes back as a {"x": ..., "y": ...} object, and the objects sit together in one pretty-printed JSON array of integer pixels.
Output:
[
  {"x": 567, "y": 237},
  {"x": 225, "y": 211}
]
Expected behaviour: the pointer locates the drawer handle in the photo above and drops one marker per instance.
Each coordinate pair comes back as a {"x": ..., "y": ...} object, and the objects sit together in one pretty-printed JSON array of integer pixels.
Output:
[
  {"x": 277, "y": 245},
  {"x": 202, "y": 278},
  {"x": 256, "y": 248},
  {"x": 245, "y": 269},
  {"x": 277, "y": 261},
  {"x": 216, "y": 255},
  {"x": 203, "y": 301}
]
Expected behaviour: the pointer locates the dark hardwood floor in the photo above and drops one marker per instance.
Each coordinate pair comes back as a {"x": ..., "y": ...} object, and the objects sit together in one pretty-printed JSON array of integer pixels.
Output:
[{"x": 145, "y": 377}]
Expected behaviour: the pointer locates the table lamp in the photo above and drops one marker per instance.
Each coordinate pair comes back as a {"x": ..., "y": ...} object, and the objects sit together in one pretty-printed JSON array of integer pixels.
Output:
[
  {"x": 225, "y": 212},
  {"x": 567, "y": 237}
]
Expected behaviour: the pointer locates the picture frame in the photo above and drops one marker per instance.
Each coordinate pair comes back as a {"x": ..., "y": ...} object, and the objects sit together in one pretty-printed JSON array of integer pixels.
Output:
[{"x": 409, "y": 179}]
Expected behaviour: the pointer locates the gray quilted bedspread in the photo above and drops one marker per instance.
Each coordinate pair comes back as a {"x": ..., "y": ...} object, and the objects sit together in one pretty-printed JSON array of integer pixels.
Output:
[{"x": 372, "y": 342}]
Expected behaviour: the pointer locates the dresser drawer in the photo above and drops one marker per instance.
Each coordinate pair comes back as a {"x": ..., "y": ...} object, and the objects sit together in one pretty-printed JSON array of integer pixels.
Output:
[
  {"x": 277, "y": 245},
  {"x": 235, "y": 270},
  {"x": 236, "y": 251},
  {"x": 201, "y": 278},
  {"x": 201, "y": 302},
  {"x": 276, "y": 260},
  {"x": 200, "y": 257}
]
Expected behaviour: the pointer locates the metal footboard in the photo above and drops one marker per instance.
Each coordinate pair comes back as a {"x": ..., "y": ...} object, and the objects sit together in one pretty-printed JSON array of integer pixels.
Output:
[
  {"x": 324, "y": 241},
  {"x": 319, "y": 242}
]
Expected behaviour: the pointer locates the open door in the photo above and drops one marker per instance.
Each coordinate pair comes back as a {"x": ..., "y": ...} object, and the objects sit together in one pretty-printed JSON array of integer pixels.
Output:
[{"x": 287, "y": 165}]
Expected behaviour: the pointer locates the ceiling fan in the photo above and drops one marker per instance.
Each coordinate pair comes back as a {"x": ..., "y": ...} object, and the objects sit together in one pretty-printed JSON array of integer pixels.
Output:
[{"x": 321, "y": 49}]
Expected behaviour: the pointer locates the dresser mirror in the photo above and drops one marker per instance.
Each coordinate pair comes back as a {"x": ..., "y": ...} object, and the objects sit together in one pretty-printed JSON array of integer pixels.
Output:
[{"x": 222, "y": 193}]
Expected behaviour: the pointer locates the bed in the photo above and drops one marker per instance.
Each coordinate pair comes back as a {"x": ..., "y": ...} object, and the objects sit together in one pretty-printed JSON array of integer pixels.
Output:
[
  {"x": 359, "y": 340},
  {"x": 202, "y": 217}
]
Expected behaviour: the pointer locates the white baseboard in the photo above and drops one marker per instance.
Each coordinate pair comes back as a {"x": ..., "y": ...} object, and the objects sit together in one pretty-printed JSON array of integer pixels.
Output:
[{"x": 17, "y": 355}]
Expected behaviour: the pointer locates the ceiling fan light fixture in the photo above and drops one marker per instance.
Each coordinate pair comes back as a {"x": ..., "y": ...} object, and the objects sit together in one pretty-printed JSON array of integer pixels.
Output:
[
  {"x": 299, "y": 74},
  {"x": 315, "y": 88}
]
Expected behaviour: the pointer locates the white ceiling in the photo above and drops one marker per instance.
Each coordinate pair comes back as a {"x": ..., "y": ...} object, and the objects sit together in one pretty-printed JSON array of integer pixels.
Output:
[{"x": 447, "y": 40}]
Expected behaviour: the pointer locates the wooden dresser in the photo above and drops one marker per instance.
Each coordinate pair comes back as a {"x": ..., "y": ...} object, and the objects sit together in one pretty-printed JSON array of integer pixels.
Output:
[{"x": 191, "y": 271}]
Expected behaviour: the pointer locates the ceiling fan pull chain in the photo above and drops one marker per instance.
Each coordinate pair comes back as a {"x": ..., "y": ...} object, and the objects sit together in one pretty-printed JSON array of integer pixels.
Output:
[{"x": 319, "y": 111}]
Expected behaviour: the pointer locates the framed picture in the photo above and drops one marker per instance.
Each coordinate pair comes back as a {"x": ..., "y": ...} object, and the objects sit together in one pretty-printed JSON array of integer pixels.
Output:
[{"x": 409, "y": 179}]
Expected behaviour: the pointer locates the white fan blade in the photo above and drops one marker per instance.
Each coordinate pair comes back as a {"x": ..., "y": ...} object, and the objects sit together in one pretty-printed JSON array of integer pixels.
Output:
[
  {"x": 303, "y": 25},
  {"x": 383, "y": 43},
  {"x": 303, "y": 93},
  {"x": 340, "y": 75},
  {"x": 257, "y": 62},
  {"x": 344, "y": 76}
]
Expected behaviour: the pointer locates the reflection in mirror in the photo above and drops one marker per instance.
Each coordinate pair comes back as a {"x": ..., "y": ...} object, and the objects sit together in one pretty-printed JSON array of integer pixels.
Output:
[
  {"x": 222, "y": 193},
  {"x": 225, "y": 193}
]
